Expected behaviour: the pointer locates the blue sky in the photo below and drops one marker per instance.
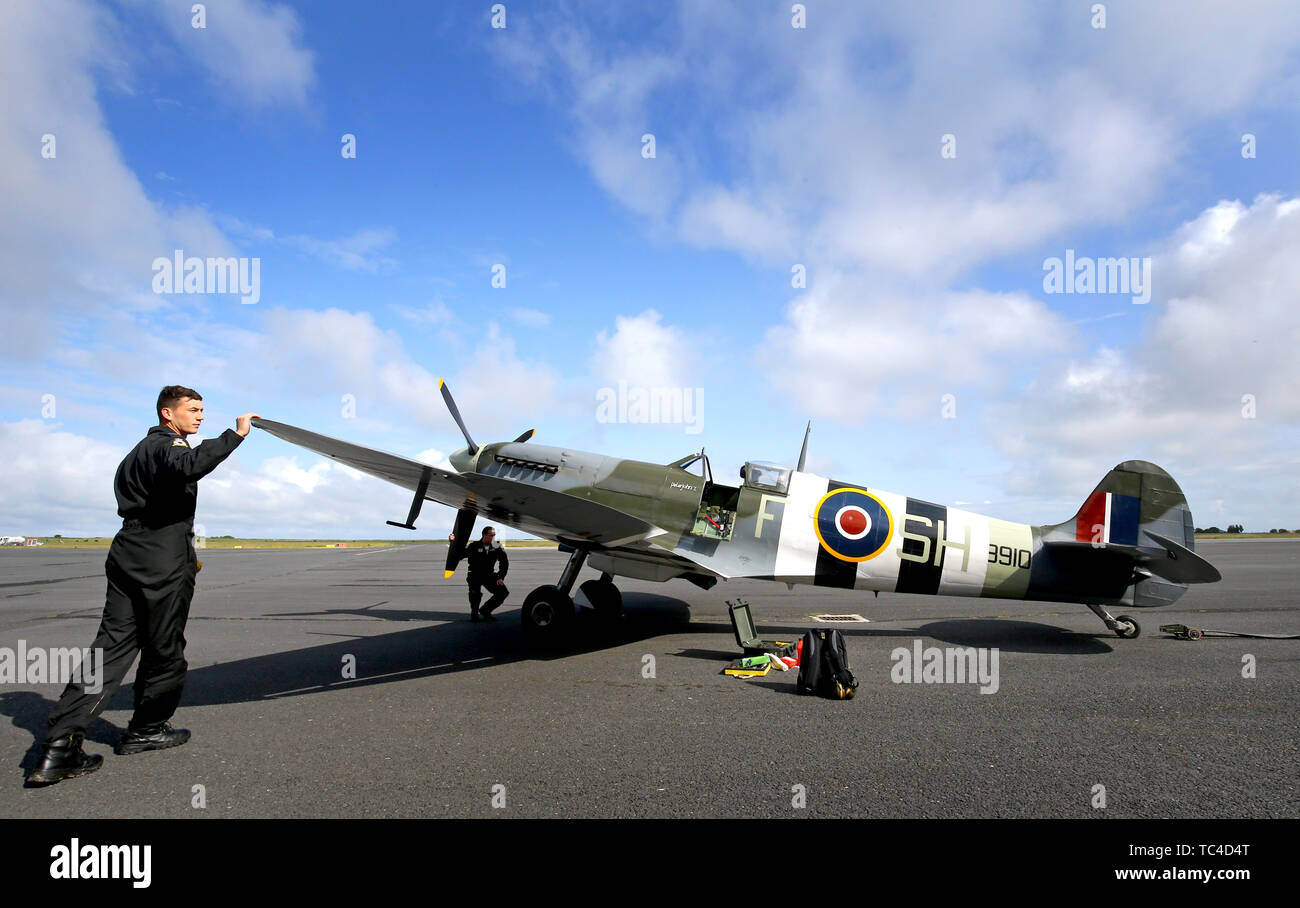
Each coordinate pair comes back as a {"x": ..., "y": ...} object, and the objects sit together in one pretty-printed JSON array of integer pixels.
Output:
[{"x": 775, "y": 147}]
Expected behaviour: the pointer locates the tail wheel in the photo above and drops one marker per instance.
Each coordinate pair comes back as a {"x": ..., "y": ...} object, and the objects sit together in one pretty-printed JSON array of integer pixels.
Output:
[
  {"x": 547, "y": 610},
  {"x": 605, "y": 597},
  {"x": 1128, "y": 627}
]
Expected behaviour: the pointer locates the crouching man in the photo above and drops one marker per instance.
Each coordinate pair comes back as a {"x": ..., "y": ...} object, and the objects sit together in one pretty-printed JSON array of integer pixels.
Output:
[{"x": 487, "y": 568}]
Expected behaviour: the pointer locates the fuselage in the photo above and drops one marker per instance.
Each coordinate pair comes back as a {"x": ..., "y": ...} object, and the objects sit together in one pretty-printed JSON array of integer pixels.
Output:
[{"x": 792, "y": 526}]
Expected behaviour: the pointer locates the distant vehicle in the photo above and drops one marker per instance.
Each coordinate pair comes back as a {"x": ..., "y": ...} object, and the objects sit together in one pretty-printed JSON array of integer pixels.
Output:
[
  {"x": 13, "y": 540},
  {"x": 32, "y": 540},
  {"x": 1130, "y": 544}
]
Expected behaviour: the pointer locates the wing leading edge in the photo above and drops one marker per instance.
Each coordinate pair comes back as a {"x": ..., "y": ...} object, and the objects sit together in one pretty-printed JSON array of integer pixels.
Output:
[{"x": 541, "y": 512}]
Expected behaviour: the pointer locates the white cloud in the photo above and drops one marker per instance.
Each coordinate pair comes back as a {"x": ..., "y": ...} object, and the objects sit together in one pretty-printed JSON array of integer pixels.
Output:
[
  {"x": 79, "y": 233},
  {"x": 436, "y": 314},
  {"x": 357, "y": 252},
  {"x": 56, "y": 481},
  {"x": 249, "y": 48},
  {"x": 279, "y": 471},
  {"x": 608, "y": 90},
  {"x": 501, "y": 392},
  {"x": 530, "y": 318},
  {"x": 644, "y": 352},
  {"x": 824, "y": 143},
  {"x": 1223, "y": 325},
  {"x": 849, "y": 350}
]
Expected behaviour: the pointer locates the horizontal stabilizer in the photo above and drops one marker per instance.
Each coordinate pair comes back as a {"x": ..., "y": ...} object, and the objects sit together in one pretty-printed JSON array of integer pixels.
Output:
[
  {"x": 1179, "y": 563},
  {"x": 1166, "y": 559}
]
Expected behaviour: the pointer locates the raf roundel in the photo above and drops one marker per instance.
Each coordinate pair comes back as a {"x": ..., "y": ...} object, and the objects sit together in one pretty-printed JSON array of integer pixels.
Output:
[{"x": 853, "y": 524}]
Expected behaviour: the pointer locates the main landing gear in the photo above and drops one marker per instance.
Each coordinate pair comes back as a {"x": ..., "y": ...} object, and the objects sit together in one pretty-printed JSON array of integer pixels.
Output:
[
  {"x": 549, "y": 611},
  {"x": 1123, "y": 626}
]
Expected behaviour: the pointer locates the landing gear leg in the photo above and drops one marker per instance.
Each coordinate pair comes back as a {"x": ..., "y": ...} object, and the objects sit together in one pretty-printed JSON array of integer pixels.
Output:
[
  {"x": 1123, "y": 626},
  {"x": 548, "y": 610}
]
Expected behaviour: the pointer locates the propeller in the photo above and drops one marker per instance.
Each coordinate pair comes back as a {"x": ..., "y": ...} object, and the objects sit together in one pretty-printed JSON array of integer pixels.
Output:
[
  {"x": 472, "y": 448},
  {"x": 465, "y": 516},
  {"x": 459, "y": 539},
  {"x": 455, "y": 414}
]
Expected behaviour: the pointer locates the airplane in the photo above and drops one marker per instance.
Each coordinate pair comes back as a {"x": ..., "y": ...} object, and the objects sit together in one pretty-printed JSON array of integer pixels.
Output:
[{"x": 1130, "y": 544}]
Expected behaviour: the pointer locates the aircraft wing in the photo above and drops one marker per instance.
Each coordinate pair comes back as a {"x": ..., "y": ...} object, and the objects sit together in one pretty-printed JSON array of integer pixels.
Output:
[{"x": 542, "y": 512}]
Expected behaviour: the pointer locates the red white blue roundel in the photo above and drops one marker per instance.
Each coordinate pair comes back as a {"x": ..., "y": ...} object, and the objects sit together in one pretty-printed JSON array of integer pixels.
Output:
[{"x": 853, "y": 524}]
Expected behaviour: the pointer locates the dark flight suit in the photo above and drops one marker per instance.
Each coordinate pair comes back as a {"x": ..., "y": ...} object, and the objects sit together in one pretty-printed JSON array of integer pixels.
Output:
[
  {"x": 483, "y": 561},
  {"x": 150, "y": 568}
]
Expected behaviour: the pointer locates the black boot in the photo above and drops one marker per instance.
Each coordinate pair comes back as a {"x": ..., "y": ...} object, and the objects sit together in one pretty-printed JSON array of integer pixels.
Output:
[
  {"x": 64, "y": 759},
  {"x": 151, "y": 737}
]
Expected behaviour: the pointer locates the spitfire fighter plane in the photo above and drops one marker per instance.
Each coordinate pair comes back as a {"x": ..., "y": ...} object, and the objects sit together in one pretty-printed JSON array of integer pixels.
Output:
[{"x": 1130, "y": 544}]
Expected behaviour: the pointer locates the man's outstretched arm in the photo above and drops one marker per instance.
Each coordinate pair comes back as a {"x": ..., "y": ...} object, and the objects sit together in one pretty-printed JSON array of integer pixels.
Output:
[{"x": 193, "y": 464}]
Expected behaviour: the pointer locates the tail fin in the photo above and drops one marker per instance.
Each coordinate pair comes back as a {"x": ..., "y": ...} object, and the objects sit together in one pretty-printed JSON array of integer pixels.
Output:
[{"x": 1137, "y": 510}]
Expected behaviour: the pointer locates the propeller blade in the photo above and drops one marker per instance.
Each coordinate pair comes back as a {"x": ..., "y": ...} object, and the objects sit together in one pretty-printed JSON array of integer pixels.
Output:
[
  {"x": 527, "y": 435},
  {"x": 459, "y": 539},
  {"x": 455, "y": 414},
  {"x": 803, "y": 452}
]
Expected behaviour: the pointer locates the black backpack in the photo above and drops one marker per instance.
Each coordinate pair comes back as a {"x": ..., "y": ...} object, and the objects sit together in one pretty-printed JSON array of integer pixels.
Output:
[{"x": 824, "y": 666}]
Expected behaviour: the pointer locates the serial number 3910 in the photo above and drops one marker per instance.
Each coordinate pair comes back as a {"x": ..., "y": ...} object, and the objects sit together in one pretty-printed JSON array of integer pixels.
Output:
[{"x": 1005, "y": 554}]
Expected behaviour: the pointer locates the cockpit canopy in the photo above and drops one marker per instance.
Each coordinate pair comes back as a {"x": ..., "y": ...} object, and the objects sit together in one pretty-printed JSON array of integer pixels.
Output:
[{"x": 767, "y": 477}]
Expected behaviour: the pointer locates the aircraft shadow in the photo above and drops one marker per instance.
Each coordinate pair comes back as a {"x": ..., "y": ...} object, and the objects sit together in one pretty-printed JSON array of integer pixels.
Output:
[
  {"x": 424, "y": 615},
  {"x": 1008, "y": 635},
  {"x": 460, "y": 645}
]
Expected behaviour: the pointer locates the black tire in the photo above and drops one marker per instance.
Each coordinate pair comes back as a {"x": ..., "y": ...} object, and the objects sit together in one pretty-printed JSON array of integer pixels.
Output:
[
  {"x": 606, "y": 599},
  {"x": 546, "y": 611},
  {"x": 1130, "y": 631}
]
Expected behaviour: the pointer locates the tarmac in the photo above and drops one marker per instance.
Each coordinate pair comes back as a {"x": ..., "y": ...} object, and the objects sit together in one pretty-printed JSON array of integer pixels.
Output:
[{"x": 446, "y": 718}]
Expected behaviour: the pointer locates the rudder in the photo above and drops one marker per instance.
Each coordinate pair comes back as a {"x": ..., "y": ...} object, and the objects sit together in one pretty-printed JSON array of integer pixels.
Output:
[{"x": 1133, "y": 505}]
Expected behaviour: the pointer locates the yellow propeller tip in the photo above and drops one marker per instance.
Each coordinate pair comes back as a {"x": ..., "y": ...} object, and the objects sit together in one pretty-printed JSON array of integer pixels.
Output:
[
  {"x": 440, "y": 383},
  {"x": 446, "y": 574}
]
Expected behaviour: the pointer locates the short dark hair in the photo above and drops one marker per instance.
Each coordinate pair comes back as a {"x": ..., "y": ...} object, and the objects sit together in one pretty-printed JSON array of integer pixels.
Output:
[
  {"x": 487, "y": 530},
  {"x": 171, "y": 395}
]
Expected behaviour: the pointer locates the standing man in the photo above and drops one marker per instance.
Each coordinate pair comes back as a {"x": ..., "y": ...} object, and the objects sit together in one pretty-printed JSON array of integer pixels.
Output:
[
  {"x": 487, "y": 568},
  {"x": 151, "y": 566}
]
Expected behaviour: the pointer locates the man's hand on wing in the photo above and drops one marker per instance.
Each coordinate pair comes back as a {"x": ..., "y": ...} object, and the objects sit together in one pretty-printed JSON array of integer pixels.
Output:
[{"x": 244, "y": 424}]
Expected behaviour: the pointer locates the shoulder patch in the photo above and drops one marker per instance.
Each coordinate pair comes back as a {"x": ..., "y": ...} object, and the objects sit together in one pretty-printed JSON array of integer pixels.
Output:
[{"x": 179, "y": 443}]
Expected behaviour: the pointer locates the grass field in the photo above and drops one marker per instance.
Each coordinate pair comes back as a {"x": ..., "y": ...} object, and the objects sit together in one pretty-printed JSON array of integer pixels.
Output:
[{"x": 1248, "y": 535}]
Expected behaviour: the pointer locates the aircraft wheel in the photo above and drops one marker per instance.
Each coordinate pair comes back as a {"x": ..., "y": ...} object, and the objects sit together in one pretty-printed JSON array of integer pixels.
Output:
[
  {"x": 547, "y": 611},
  {"x": 606, "y": 598},
  {"x": 1128, "y": 627}
]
